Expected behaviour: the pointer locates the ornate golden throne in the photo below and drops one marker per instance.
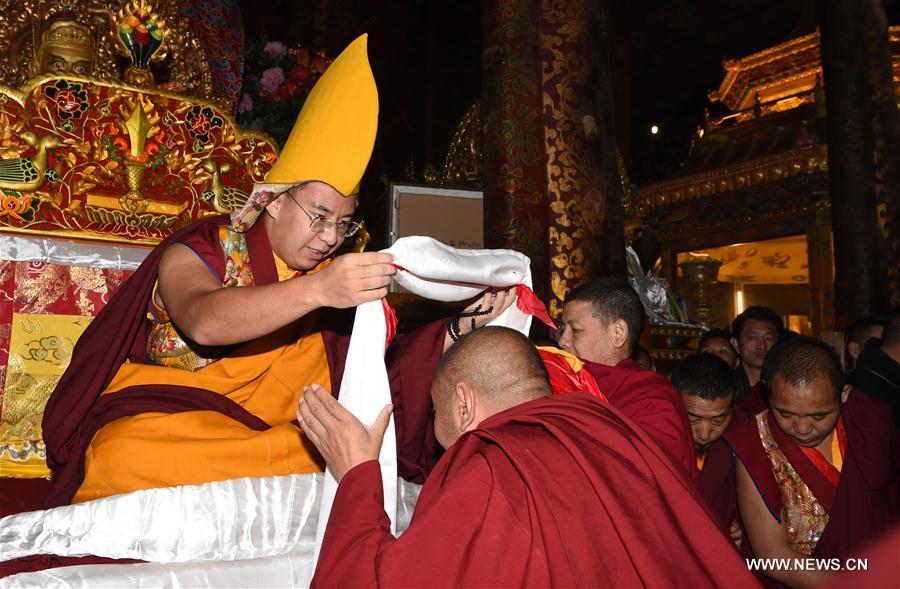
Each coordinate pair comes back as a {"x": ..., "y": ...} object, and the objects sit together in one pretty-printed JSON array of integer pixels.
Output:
[{"x": 99, "y": 161}]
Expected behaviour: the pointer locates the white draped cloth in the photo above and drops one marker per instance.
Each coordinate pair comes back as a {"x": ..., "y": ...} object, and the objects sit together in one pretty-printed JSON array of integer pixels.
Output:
[{"x": 257, "y": 532}]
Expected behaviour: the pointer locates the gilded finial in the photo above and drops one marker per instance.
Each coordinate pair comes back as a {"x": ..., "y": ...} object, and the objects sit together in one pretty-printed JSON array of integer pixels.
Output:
[{"x": 138, "y": 126}]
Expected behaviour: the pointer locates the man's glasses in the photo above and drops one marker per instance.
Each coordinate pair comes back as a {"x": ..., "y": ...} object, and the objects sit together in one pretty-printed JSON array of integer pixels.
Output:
[{"x": 321, "y": 224}]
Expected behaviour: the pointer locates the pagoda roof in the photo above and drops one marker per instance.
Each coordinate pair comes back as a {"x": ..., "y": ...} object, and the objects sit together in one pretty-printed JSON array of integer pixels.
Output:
[{"x": 777, "y": 105}]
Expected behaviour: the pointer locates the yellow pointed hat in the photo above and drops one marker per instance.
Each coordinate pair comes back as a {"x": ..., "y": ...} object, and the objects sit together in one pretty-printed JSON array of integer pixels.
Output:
[{"x": 333, "y": 137}]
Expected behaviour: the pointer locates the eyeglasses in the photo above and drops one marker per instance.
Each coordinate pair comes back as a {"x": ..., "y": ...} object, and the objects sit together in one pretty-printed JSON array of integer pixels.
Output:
[{"x": 321, "y": 224}]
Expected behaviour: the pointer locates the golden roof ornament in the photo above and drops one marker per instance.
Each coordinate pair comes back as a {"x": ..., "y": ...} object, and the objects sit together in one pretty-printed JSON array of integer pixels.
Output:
[{"x": 463, "y": 163}]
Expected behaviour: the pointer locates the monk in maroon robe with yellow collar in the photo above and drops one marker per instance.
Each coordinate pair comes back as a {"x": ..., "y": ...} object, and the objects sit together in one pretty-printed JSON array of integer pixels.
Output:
[
  {"x": 818, "y": 471},
  {"x": 535, "y": 490},
  {"x": 707, "y": 387}
]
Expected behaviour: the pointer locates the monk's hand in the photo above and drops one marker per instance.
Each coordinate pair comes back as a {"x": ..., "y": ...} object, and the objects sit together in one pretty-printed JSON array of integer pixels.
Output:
[
  {"x": 736, "y": 533},
  {"x": 353, "y": 279},
  {"x": 496, "y": 299},
  {"x": 342, "y": 439}
]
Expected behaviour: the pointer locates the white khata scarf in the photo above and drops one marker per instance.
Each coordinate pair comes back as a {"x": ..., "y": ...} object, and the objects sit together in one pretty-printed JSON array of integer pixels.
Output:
[{"x": 261, "y": 532}]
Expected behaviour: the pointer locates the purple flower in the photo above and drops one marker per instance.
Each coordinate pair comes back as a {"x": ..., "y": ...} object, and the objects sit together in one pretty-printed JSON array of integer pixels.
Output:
[
  {"x": 276, "y": 49},
  {"x": 246, "y": 104},
  {"x": 271, "y": 80}
]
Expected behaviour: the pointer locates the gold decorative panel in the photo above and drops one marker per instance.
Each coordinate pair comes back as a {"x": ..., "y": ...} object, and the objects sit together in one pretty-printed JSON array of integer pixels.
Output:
[
  {"x": 90, "y": 28},
  {"x": 39, "y": 351},
  {"x": 87, "y": 159}
]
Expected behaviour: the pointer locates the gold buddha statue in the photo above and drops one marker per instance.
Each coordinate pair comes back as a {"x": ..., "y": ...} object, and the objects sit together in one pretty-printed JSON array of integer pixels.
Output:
[{"x": 65, "y": 46}]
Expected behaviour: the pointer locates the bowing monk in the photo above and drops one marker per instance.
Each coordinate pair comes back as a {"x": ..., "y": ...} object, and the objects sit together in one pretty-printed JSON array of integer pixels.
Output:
[
  {"x": 707, "y": 387},
  {"x": 818, "y": 470},
  {"x": 192, "y": 372},
  {"x": 535, "y": 490},
  {"x": 601, "y": 324}
]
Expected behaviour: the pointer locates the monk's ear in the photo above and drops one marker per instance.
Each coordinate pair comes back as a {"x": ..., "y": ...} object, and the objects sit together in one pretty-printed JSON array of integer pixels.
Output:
[
  {"x": 734, "y": 344},
  {"x": 464, "y": 397},
  {"x": 619, "y": 333},
  {"x": 274, "y": 207},
  {"x": 845, "y": 393}
]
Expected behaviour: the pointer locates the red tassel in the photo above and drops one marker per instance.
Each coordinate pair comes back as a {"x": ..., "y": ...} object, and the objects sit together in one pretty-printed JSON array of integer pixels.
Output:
[
  {"x": 530, "y": 304},
  {"x": 390, "y": 318}
]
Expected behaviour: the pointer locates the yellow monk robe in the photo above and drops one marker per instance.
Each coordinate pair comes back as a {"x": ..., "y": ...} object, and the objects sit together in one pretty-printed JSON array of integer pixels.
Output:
[
  {"x": 151, "y": 450},
  {"x": 265, "y": 377}
]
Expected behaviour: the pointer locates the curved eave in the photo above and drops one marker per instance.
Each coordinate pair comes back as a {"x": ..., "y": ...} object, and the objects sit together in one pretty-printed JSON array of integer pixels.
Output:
[{"x": 742, "y": 175}]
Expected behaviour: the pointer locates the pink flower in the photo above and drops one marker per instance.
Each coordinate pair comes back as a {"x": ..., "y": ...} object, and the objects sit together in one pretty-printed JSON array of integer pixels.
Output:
[
  {"x": 271, "y": 80},
  {"x": 262, "y": 199},
  {"x": 246, "y": 104},
  {"x": 276, "y": 49}
]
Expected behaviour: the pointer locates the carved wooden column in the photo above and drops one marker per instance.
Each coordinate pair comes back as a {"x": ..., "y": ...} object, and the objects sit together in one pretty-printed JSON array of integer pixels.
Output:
[
  {"x": 580, "y": 147},
  {"x": 515, "y": 172},
  {"x": 821, "y": 275},
  {"x": 886, "y": 128},
  {"x": 549, "y": 153},
  {"x": 860, "y": 287}
]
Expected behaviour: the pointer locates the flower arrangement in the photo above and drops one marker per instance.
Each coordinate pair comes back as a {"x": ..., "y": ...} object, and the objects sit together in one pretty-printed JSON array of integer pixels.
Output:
[{"x": 277, "y": 79}]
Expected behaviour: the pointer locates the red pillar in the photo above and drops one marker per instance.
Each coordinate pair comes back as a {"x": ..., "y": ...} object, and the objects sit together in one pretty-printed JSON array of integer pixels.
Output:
[{"x": 550, "y": 174}]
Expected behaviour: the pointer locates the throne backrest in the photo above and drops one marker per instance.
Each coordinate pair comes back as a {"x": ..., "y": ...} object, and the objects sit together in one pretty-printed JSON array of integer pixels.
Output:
[
  {"x": 90, "y": 160},
  {"x": 83, "y": 161}
]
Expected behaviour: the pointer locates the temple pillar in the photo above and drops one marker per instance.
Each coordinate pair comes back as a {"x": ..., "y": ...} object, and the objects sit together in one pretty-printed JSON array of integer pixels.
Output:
[
  {"x": 860, "y": 287},
  {"x": 886, "y": 128},
  {"x": 515, "y": 170},
  {"x": 550, "y": 175}
]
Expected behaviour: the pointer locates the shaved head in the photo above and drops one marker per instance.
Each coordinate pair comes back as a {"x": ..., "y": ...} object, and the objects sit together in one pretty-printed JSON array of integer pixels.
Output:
[
  {"x": 500, "y": 363},
  {"x": 497, "y": 367},
  {"x": 806, "y": 389},
  {"x": 800, "y": 361}
]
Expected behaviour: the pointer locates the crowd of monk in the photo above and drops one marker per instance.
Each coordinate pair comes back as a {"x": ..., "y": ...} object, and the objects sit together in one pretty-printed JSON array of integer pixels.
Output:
[
  {"x": 801, "y": 465},
  {"x": 563, "y": 465}
]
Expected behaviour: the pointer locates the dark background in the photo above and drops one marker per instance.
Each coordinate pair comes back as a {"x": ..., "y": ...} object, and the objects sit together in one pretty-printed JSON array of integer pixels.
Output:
[{"x": 426, "y": 58}]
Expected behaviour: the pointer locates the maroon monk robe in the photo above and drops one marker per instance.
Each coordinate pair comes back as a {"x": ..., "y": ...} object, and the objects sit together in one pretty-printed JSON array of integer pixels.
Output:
[
  {"x": 717, "y": 483},
  {"x": 754, "y": 401},
  {"x": 560, "y": 491},
  {"x": 881, "y": 558},
  {"x": 716, "y": 480},
  {"x": 866, "y": 501},
  {"x": 75, "y": 410},
  {"x": 653, "y": 403}
]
